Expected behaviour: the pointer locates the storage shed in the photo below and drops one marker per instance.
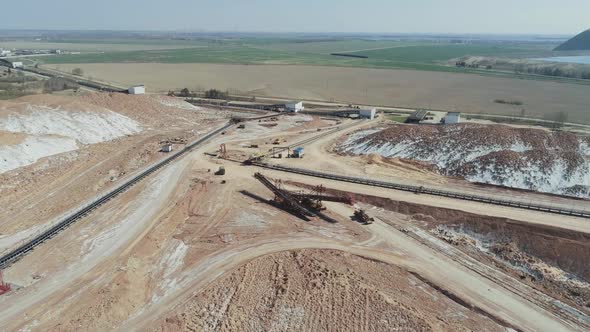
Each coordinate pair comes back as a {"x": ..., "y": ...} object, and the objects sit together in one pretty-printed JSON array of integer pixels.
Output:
[
  {"x": 294, "y": 106},
  {"x": 453, "y": 118},
  {"x": 167, "y": 148},
  {"x": 298, "y": 152},
  {"x": 368, "y": 113},
  {"x": 137, "y": 90}
]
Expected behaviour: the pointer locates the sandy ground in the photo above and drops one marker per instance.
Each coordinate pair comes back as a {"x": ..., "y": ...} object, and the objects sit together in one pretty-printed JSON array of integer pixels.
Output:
[
  {"x": 447, "y": 91},
  {"x": 320, "y": 156},
  {"x": 32, "y": 197},
  {"x": 184, "y": 251}
]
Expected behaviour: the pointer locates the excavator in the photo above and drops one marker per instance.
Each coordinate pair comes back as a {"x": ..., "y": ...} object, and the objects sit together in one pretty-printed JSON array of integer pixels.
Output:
[{"x": 361, "y": 216}]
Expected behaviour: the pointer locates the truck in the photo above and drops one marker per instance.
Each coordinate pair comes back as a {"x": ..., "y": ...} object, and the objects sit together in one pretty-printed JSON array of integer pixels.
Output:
[{"x": 220, "y": 171}]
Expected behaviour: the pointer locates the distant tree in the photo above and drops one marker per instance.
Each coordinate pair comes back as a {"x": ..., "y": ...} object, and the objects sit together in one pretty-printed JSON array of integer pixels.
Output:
[
  {"x": 171, "y": 93},
  {"x": 78, "y": 72},
  {"x": 522, "y": 113},
  {"x": 489, "y": 67},
  {"x": 185, "y": 92},
  {"x": 215, "y": 94}
]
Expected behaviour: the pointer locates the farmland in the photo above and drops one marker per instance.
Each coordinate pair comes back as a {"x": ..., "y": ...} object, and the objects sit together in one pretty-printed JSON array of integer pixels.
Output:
[
  {"x": 432, "y": 53},
  {"x": 388, "y": 76},
  {"x": 401, "y": 88},
  {"x": 100, "y": 45},
  {"x": 418, "y": 55}
]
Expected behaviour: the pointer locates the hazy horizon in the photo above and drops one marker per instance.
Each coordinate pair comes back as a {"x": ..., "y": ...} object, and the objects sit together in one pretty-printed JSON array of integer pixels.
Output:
[{"x": 505, "y": 17}]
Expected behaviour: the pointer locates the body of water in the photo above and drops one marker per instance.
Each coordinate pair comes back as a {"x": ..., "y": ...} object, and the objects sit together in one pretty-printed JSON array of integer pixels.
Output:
[{"x": 583, "y": 59}]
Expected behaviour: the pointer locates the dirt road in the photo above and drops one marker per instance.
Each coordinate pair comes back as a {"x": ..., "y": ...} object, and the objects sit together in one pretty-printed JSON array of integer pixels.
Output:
[{"x": 400, "y": 251}]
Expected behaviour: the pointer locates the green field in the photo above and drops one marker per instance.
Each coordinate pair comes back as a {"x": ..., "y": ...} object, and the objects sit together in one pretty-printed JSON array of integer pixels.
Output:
[
  {"x": 424, "y": 57},
  {"x": 397, "y": 118},
  {"x": 432, "y": 53},
  {"x": 389, "y": 54},
  {"x": 327, "y": 47}
]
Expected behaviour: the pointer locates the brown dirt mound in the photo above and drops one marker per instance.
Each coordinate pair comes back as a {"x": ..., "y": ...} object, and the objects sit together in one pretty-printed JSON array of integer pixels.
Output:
[
  {"x": 322, "y": 290},
  {"x": 146, "y": 109},
  {"x": 149, "y": 109},
  {"x": 542, "y": 143}
]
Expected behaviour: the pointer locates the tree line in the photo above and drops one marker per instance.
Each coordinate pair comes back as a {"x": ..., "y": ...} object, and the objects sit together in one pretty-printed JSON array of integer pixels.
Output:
[
  {"x": 209, "y": 94},
  {"x": 553, "y": 70}
]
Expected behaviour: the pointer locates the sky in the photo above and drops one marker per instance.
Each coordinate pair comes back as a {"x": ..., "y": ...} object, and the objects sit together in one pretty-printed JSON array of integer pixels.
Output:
[{"x": 564, "y": 17}]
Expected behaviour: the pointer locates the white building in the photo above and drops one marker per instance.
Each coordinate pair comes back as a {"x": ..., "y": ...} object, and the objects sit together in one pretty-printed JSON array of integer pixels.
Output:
[
  {"x": 17, "y": 65},
  {"x": 298, "y": 152},
  {"x": 137, "y": 90},
  {"x": 453, "y": 118},
  {"x": 368, "y": 113},
  {"x": 167, "y": 148},
  {"x": 294, "y": 106},
  {"x": 5, "y": 52}
]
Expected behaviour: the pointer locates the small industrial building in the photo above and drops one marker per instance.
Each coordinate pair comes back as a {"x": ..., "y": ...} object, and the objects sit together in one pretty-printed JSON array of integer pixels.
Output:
[
  {"x": 167, "y": 148},
  {"x": 17, "y": 65},
  {"x": 453, "y": 118},
  {"x": 5, "y": 52},
  {"x": 368, "y": 113},
  {"x": 137, "y": 90},
  {"x": 294, "y": 106},
  {"x": 298, "y": 152}
]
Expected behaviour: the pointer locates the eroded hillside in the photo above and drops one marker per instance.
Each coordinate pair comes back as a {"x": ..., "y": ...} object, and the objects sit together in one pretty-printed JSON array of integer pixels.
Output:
[{"x": 525, "y": 158}]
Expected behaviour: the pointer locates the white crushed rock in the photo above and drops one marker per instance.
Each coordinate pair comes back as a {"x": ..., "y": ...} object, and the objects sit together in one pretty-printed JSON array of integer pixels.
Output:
[
  {"x": 85, "y": 127},
  {"x": 478, "y": 162},
  {"x": 174, "y": 257},
  {"x": 53, "y": 131},
  {"x": 33, "y": 149},
  {"x": 169, "y": 263}
]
